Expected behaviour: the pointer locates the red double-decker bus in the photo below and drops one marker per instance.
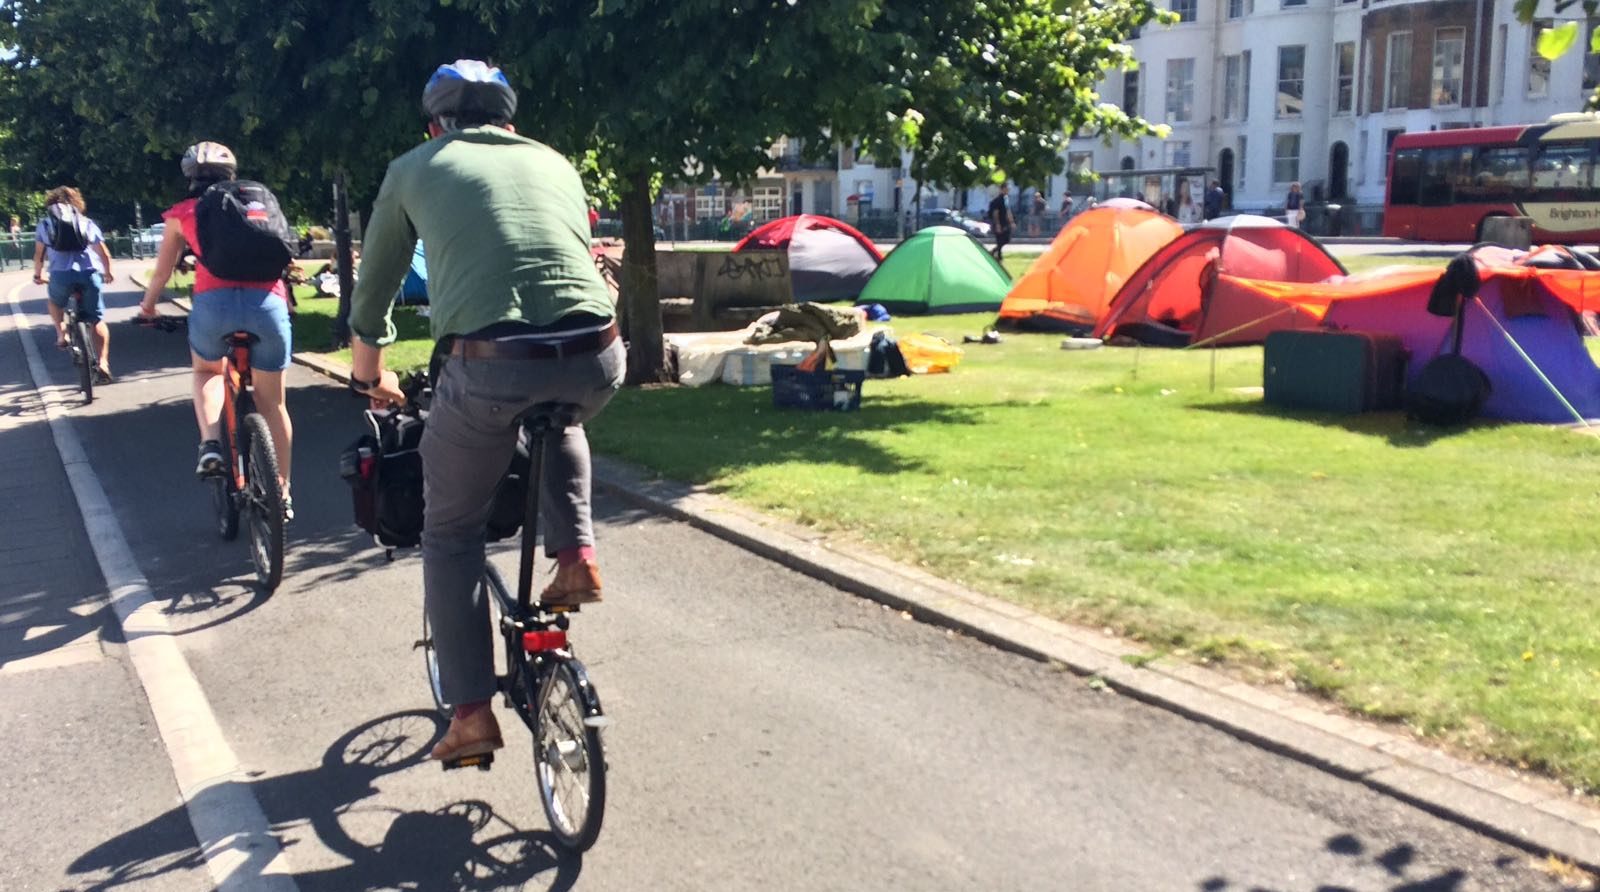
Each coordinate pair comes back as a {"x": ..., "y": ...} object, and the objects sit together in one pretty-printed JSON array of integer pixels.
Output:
[{"x": 1445, "y": 183}]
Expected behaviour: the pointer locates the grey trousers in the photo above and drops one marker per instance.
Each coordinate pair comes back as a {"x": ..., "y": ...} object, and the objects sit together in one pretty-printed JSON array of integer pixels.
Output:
[{"x": 472, "y": 432}]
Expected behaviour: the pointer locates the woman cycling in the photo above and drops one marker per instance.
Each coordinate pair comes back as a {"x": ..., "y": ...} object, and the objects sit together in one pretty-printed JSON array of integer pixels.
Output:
[{"x": 221, "y": 307}]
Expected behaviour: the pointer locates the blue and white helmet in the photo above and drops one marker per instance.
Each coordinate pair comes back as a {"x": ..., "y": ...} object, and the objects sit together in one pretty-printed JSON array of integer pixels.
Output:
[{"x": 469, "y": 86}]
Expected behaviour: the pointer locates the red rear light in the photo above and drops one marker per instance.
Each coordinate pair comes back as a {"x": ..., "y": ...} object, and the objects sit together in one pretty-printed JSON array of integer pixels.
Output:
[{"x": 533, "y": 642}]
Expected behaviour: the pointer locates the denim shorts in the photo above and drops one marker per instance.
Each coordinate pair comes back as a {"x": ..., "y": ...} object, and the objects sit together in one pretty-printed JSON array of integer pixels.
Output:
[
  {"x": 220, "y": 312},
  {"x": 60, "y": 290}
]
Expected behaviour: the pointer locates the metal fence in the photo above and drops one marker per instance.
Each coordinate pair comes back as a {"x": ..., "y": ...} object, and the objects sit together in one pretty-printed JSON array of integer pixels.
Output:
[{"x": 16, "y": 251}]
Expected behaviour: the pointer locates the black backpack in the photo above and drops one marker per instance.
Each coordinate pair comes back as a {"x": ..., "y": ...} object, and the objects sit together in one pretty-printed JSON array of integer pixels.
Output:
[
  {"x": 884, "y": 359},
  {"x": 65, "y": 229},
  {"x": 243, "y": 235}
]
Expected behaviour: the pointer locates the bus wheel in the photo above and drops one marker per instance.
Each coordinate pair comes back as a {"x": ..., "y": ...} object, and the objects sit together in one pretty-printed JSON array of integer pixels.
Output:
[{"x": 1478, "y": 239}]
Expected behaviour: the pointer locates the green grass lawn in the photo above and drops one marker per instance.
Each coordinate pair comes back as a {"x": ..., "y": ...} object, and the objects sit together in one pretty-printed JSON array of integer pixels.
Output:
[{"x": 1438, "y": 579}]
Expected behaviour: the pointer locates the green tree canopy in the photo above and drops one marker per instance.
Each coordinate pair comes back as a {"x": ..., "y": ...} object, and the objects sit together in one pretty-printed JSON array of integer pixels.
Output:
[{"x": 107, "y": 93}]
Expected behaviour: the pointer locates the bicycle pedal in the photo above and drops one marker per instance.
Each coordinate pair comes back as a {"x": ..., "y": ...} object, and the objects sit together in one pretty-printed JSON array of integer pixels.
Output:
[{"x": 481, "y": 761}]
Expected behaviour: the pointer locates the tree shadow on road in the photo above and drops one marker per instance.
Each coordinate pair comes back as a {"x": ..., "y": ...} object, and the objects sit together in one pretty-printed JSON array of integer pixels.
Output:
[
  {"x": 461, "y": 845},
  {"x": 1399, "y": 867}
]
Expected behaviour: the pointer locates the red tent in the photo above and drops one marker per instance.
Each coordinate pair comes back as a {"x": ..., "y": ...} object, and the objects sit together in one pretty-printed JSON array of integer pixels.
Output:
[
  {"x": 828, "y": 259},
  {"x": 1176, "y": 297}
]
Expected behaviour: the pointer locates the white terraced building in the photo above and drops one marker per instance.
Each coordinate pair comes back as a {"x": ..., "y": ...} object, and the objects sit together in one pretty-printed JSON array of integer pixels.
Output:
[
  {"x": 1260, "y": 94},
  {"x": 1269, "y": 92}
]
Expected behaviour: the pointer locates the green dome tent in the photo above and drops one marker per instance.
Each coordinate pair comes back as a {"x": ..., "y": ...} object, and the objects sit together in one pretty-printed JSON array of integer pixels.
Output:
[{"x": 940, "y": 269}]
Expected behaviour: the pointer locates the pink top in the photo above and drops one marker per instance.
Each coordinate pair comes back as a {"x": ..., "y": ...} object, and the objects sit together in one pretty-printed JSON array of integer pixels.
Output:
[{"x": 182, "y": 214}]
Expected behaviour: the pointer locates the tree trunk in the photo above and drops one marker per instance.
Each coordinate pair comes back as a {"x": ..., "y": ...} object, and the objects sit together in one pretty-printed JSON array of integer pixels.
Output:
[{"x": 640, "y": 304}]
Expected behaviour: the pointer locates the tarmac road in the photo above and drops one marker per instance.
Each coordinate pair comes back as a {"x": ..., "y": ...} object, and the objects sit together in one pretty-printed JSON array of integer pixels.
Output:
[{"x": 770, "y": 732}]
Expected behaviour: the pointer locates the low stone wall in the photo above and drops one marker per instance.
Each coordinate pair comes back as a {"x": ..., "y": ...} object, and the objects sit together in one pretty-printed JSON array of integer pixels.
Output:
[{"x": 724, "y": 289}]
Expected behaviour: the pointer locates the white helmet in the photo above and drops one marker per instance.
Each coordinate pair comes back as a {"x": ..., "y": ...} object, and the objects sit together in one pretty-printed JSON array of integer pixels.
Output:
[{"x": 208, "y": 154}]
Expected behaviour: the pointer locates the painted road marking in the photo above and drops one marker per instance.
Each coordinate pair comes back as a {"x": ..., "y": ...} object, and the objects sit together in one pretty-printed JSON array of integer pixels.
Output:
[{"x": 234, "y": 834}]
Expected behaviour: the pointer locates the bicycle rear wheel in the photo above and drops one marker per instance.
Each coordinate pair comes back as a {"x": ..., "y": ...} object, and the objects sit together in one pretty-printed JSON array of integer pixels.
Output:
[
  {"x": 264, "y": 502},
  {"x": 83, "y": 336},
  {"x": 430, "y": 658},
  {"x": 567, "y": 756}
]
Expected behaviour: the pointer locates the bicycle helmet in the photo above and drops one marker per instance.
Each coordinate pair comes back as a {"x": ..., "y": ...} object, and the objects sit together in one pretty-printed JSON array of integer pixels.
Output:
[
  {"x": 208, "y": 154},
  {"x": 469, "y": 88}
]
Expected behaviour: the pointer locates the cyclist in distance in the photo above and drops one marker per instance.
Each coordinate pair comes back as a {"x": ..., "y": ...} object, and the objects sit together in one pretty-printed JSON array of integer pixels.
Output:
[
  {"x": 219, "y": 308},
  {"x": 523, "y": 318},
  {"x": 81, "y": 260}
]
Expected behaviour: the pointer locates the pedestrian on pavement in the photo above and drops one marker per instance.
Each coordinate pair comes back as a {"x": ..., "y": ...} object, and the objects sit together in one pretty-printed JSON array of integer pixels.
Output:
[
  {"x": 1215, "y": 198},
  {"x": 522, "y": 318},
  {"x": 1000, "y": 221},
  {"x": 16, "y": 225},
  {"x": 1294, "y": 206},
  {"x": 1039, "y": 208},
  {"x": 77, "y": 255},
  {"x": 1066, "y": 208},
  {"x": 219, "y": 308}
]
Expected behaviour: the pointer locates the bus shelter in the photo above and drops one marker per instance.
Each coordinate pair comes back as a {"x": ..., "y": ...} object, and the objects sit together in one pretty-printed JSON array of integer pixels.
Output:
[{"x": 1178, "y": 192}]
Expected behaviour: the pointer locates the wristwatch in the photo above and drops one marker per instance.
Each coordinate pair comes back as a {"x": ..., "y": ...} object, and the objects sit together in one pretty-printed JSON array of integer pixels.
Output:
[{"x": 360, "y": 386}]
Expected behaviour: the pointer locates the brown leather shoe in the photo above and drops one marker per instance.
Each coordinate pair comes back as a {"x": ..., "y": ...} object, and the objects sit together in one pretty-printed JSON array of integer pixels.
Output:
[
  {"x": 576, "y": 583},
  {"x": 473, "y": 736}
]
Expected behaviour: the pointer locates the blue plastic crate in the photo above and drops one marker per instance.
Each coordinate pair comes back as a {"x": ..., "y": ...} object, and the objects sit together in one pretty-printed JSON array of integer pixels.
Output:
[{"x": 837, "y": 389}]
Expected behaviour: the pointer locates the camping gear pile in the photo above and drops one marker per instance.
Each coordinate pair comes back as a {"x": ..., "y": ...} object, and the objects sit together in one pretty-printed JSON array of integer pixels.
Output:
[{"x": 1497, "y": 334}]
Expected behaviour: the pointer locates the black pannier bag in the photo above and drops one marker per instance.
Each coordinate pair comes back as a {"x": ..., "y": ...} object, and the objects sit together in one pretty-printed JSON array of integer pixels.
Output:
[{"x": 384, "y": 470}]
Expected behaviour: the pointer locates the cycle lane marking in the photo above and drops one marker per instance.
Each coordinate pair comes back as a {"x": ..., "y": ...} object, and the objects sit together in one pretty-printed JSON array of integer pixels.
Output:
[{"x": 233, "y": 833}]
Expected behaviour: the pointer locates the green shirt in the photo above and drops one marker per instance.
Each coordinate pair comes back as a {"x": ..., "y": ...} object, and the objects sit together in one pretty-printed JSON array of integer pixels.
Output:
[{"x": 505, "y": 225}]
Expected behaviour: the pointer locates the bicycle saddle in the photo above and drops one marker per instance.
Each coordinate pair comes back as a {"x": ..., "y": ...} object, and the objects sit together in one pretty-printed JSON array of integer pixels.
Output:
[
  {"x": 240, "y": 339},
  {"x": 552, "y": 415}
]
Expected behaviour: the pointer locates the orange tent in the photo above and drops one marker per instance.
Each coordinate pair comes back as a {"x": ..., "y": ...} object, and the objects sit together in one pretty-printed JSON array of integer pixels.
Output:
[
  {"x": 1185, "y": 292},
  {"x": 1071, "y": 284}
]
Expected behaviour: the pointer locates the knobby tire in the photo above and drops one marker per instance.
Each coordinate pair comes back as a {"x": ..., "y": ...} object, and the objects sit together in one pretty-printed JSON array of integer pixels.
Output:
[
  {"x": 264, "y": 502},
  {"x": 83, "y": 333}
]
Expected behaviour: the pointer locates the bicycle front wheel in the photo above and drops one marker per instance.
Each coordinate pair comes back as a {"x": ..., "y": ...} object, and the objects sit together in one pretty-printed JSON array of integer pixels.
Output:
[
  {"x": 430, "y": 658},
  {"x": 567, "y": 756},
  {"x": 264, "y": 502},
  {"x": 83, "y": 333}
]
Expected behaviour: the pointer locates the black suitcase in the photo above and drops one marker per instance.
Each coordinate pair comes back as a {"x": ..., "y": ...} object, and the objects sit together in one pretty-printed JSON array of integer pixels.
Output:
[{"x": 1334, "y": 371}]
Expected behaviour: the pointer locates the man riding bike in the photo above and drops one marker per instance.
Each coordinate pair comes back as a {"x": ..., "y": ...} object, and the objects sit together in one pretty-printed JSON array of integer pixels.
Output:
[
  {"x": 72, "y": 267},
  {"x": 219, "y": 308},
  {"x": 523, "y": 318}
]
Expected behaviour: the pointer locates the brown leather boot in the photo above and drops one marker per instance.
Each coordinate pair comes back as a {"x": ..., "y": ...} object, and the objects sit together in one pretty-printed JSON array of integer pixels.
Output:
[
  {"x": 471, "y": 736},
  {"x": 576, "y": 583}
]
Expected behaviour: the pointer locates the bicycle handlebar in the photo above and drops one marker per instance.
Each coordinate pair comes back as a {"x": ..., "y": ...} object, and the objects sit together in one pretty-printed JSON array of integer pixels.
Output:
[{"x": 164, "y": 323}]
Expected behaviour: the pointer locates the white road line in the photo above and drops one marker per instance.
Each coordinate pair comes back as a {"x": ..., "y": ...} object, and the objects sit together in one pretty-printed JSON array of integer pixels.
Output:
[{"x": 234, "y": 834}]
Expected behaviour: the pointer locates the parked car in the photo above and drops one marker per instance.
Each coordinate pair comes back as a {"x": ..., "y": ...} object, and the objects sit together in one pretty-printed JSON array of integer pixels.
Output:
[
  {"x": 953, "y": 217},
  {"x": 611, "y": 227},
  {"x": 150, "y": 239}
]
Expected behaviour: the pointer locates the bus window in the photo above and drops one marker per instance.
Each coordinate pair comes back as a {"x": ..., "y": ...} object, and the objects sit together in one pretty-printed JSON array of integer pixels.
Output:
[
  {"x": 1405, "y": 177},
  {"x": 1499, "y": 175},
  {"x": 1564, "y": 171},
  {"x": 1438, "y": 177}
]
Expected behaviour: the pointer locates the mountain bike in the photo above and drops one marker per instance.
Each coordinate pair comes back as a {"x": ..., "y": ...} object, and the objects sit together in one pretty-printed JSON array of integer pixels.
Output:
[
  {"x": 249, "y": 487},
  {"x": 80, "y": 339},
  {"x": 544, "y": 683}
]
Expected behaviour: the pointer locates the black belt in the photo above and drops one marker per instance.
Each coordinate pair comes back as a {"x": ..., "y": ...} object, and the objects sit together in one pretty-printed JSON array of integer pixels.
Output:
[{"x": 528, "y": 348}]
